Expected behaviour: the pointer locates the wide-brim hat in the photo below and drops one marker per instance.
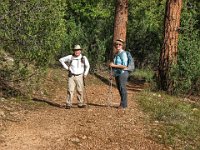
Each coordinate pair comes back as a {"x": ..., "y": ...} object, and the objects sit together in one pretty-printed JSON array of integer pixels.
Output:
[
  {"x": 119, "y": 41},
  {"x": 77, "y": 47}
]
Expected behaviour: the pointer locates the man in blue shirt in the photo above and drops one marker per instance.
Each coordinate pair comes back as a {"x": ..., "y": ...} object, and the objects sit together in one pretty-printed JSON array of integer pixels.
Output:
[{"x": 119, "y": 66}]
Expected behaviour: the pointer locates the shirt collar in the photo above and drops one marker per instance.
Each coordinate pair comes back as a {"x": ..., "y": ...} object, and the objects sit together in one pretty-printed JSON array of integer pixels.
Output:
[
  {"x": 79, "y": 57},
  {"x": 121, "y": 50}
]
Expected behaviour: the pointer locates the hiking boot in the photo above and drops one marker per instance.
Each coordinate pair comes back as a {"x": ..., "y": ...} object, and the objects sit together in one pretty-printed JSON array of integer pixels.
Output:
[
  {"x": 121, "y": 107},
  {"x": 67, "y": 107},
  {"x": 82, "y": 106}
]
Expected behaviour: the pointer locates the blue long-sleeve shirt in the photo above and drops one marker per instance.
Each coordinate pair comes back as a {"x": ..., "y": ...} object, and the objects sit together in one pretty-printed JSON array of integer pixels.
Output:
[{"x": 120, "y": 59}]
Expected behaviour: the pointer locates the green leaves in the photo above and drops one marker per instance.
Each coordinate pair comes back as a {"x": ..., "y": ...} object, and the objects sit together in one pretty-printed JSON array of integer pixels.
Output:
[
  {"x": 31, "y": 32},
  {"x": 145, "y": 28},
  {"x": 37, "y": 28},
  {"x": 38, "y": 32}
]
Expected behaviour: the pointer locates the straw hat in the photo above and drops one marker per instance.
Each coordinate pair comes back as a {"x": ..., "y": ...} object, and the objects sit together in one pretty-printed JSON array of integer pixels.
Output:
[
  {"x": 77, "y": 47},
  {"x": 119, "y": 41}
]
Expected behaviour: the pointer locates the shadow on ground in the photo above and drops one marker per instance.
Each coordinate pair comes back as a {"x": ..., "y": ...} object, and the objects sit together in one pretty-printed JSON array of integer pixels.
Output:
[
  {"x": 52, "y": 103},
  {"x": 74, "y": 105},
  {"x": 134, "y": 84}
]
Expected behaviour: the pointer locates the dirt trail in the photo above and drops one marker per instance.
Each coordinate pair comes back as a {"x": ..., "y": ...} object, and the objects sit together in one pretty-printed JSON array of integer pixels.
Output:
[{"x": 96, "y": 127}]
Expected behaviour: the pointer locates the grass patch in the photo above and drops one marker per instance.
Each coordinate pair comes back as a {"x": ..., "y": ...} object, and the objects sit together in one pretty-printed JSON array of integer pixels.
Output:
[
  {"x": 143, "y": 74},
  {"x": 174, "y": 121}
]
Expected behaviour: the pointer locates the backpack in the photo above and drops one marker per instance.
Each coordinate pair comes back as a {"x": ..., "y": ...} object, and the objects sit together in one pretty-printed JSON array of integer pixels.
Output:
[{"x": 130, "y": 64}]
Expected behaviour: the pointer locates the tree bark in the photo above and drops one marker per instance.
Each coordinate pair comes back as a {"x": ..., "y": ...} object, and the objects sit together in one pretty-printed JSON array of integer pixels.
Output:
[
  {"x": 121, "y": 20},
  {"x": 168, "y": 56}
]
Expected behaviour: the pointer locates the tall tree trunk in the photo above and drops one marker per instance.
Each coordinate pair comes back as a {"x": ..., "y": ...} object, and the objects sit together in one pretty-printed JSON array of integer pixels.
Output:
[
  {"x": 168, "y": 56},
  {"x": 121, "y": 19}
]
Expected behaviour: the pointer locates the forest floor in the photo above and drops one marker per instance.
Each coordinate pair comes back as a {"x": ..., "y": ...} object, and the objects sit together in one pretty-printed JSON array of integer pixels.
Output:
[{"x": 44, "y": 124}]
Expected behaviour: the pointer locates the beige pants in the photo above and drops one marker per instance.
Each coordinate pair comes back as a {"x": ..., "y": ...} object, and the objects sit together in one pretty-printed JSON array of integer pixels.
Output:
[{"x": 75, "y": 82}]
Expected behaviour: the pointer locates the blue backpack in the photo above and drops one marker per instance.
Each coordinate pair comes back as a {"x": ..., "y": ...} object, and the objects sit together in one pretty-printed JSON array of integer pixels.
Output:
[{"x": 130, "y": 64}]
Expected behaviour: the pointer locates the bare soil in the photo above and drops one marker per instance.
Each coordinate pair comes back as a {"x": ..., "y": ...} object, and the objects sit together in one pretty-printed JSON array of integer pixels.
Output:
[{"x": 46, "y": 125}]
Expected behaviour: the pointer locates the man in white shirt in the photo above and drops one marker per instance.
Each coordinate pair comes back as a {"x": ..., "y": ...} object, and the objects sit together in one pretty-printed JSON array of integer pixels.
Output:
[{"x": 78, "y": 67}]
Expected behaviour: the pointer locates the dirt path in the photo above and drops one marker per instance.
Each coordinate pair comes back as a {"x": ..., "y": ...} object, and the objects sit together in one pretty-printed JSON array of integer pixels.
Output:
[{"x": 96, "y": 127}]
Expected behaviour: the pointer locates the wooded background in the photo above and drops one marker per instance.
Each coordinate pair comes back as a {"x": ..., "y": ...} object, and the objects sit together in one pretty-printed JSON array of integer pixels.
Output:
[{"x": 35, "y": 34}]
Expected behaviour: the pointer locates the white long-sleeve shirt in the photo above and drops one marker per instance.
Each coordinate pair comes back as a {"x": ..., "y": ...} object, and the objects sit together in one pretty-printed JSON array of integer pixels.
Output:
[{"x": 75, "y": 65}]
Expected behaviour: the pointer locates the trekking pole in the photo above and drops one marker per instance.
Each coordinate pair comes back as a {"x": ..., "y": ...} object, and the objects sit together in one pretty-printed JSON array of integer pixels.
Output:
[
  {"x": 110, "y": 93},
  {"x": 86, "y": 98}
]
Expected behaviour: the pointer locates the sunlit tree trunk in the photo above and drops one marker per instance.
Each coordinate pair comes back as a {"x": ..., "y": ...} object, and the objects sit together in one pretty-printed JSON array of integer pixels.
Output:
[
  {"x": 121, "y": 19},
  {"x": 168, "y": 56}
]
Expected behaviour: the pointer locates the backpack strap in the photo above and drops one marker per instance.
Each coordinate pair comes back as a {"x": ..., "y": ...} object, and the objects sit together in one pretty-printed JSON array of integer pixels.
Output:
[
  {"x": 70, "y": 62},
  {"x": 82, "y": 61}
]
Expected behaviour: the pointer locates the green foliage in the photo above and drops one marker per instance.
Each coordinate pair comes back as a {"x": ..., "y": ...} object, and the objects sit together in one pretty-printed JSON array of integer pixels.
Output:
[
  {"x": 145, "y": 74},
  {"x": 31, "y": 31},
  {"x": 174, "y": 122},
  {"x": 36, "y": 33},
  {"x": 144, "y": 36},
  {"x": 89, "y": 23}
]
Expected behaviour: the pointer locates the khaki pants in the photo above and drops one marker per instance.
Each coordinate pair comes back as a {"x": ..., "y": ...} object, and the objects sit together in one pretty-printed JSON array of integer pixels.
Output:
[{"x": 75, "y": 82}]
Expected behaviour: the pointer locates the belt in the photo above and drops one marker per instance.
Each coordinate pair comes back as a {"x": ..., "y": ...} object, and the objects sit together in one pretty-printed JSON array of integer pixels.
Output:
[{"x": 76, "y": 74}]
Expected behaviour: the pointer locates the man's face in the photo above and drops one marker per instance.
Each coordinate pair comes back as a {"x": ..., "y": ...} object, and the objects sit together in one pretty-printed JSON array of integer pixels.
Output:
[{"x": 77, "y": 52}]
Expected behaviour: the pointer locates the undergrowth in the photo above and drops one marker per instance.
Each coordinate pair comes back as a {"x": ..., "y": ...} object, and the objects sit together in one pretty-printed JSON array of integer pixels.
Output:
[{"x": 174, "y": 121}]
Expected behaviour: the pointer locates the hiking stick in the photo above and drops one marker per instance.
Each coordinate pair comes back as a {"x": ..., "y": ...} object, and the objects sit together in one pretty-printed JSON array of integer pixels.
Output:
[
  {"x": 86, "y": 98},
  {"x": 110, "y": 94}
]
